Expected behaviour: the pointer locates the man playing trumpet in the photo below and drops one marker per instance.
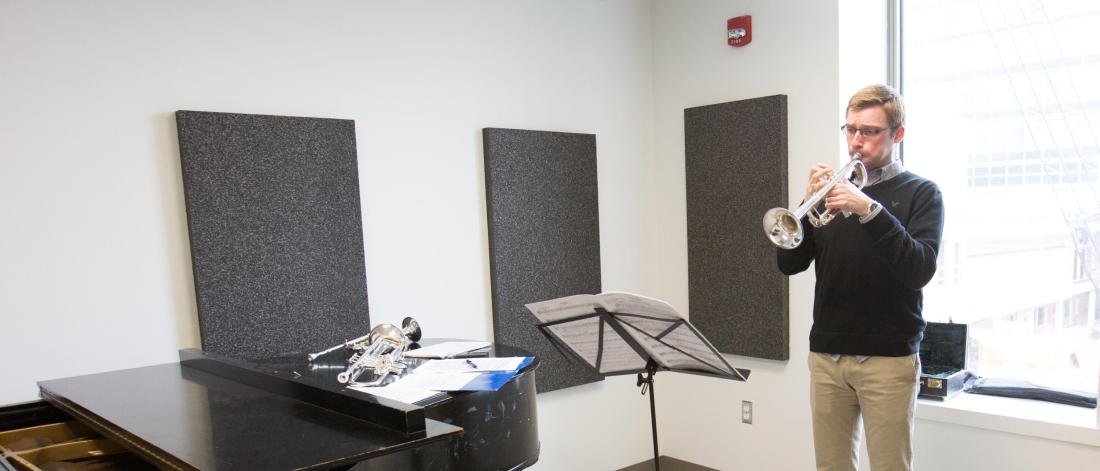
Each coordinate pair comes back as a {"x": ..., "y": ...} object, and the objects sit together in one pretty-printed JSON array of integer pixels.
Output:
[{"x": 867, "y": 322}]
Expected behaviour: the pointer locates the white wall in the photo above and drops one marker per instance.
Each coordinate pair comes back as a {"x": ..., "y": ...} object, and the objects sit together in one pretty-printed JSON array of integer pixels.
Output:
[
  {"x": 93, "y": 244},
  {"x": 793, "y": 52},
  {"x": 96, "y": 272},
  {"x": 998, "y": 450}
]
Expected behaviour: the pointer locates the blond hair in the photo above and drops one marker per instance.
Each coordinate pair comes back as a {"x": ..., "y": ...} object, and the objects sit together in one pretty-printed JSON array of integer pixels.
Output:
[{"x": 881, "y": 95}]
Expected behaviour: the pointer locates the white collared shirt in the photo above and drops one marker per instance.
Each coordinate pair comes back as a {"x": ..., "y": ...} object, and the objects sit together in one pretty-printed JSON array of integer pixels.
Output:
[{"x": 879, "y": 175}]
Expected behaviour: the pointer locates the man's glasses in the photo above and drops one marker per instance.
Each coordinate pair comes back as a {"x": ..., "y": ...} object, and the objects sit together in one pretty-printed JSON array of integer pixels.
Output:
[{"x": 866, "y": 132}]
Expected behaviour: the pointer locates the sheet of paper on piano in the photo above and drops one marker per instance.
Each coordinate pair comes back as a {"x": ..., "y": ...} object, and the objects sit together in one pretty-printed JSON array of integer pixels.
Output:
[
  {"x": 447, "y": 349},
  {"x": 408, "y": 393},
  {"x": 474, "y": 374},
  {"x": 488, "y": 381},
  {"x": 470, "y": 365}
]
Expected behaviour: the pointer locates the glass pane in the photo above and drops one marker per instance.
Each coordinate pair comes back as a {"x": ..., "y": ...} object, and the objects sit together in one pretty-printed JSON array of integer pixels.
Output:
[{"x": 1003, "y": 94}]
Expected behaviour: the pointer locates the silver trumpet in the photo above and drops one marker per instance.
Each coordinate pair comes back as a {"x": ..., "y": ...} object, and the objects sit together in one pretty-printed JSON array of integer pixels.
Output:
[
  {"x": 383, "y": 353},
  {"x": 784, "y": 227}
]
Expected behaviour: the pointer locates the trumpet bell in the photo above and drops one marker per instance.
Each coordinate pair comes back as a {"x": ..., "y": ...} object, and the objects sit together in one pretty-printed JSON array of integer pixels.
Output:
[
  {"x": 783, "y": 228},
  {"x": 386, "y": 331},
  {"x": 408, "y": 333},
  {"x": 411, "y": 329}
]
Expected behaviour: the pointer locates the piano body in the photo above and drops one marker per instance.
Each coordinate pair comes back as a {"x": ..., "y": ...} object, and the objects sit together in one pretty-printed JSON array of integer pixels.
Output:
[{"x": 212, "y": 412}]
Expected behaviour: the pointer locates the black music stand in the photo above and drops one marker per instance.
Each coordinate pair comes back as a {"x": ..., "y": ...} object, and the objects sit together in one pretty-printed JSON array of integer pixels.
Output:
[{"x": 635, "y": 343}]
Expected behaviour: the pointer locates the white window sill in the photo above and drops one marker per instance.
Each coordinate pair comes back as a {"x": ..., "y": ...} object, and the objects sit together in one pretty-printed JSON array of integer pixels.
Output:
[{"x": 1018, "y": 416}]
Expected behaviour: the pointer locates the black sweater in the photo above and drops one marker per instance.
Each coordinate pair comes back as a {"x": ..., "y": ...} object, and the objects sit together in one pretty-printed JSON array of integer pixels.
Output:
[{"x": 869, "y": 276}]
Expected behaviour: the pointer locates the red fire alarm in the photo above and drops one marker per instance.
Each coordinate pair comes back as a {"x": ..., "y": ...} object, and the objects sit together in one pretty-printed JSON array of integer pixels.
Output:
[{"x": 740, "y": 30}]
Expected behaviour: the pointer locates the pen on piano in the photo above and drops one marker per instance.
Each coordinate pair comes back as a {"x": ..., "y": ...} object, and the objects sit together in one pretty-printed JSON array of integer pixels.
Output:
[{"x": 472, "y": 364}]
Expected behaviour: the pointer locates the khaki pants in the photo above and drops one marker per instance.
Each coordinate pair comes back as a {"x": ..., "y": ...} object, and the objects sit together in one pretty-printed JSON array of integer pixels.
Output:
[{"x": 880, "y": 392}]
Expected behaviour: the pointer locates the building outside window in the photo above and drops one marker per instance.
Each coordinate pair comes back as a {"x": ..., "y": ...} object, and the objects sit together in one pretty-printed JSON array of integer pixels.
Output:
[{"x": 1004, "y": 114}]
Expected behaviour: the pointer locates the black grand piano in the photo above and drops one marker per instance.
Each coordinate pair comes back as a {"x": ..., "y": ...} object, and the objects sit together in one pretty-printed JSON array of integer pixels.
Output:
[{"x": 213, "y": 412}]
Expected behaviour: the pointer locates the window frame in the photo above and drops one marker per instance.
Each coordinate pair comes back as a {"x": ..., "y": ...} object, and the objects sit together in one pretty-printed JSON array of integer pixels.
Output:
[{"x": 1024, "y": 417}]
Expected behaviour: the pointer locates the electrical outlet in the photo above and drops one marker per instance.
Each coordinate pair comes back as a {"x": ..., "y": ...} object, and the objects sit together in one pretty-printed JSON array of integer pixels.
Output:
[{"x": 746, "y": 412}]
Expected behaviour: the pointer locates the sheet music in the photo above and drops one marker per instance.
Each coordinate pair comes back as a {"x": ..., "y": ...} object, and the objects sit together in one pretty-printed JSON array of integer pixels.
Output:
[
  {"x": 562, "y": 308},
  {"x": 645, "y": 320},
  {"x": 683, "y": 338},
  {"x": 617, "y": 301},
  {"x": 613, "y": 301}
]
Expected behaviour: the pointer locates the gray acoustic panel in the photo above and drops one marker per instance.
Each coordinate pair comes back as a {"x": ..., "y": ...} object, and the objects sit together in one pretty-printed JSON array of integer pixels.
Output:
[
  {"x": 736, "y": 170},
  {"x": 544, "y": 236},
  {"x": 276, "y": 233}
]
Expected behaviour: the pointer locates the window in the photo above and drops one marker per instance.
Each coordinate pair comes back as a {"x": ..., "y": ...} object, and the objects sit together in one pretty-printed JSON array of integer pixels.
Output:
[{"x": 1004, "y": 114}]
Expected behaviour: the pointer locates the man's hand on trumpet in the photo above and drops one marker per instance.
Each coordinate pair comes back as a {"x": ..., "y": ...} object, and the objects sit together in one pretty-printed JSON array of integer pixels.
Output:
[
  {"x": 819, "y": 177},
  {"x": 846, "y": 197},
  {"x": 842, "y": 197}
]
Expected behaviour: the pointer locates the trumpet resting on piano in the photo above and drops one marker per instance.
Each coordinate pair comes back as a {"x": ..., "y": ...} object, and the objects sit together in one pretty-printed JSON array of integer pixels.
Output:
[{"x": 382, "y": 352}]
